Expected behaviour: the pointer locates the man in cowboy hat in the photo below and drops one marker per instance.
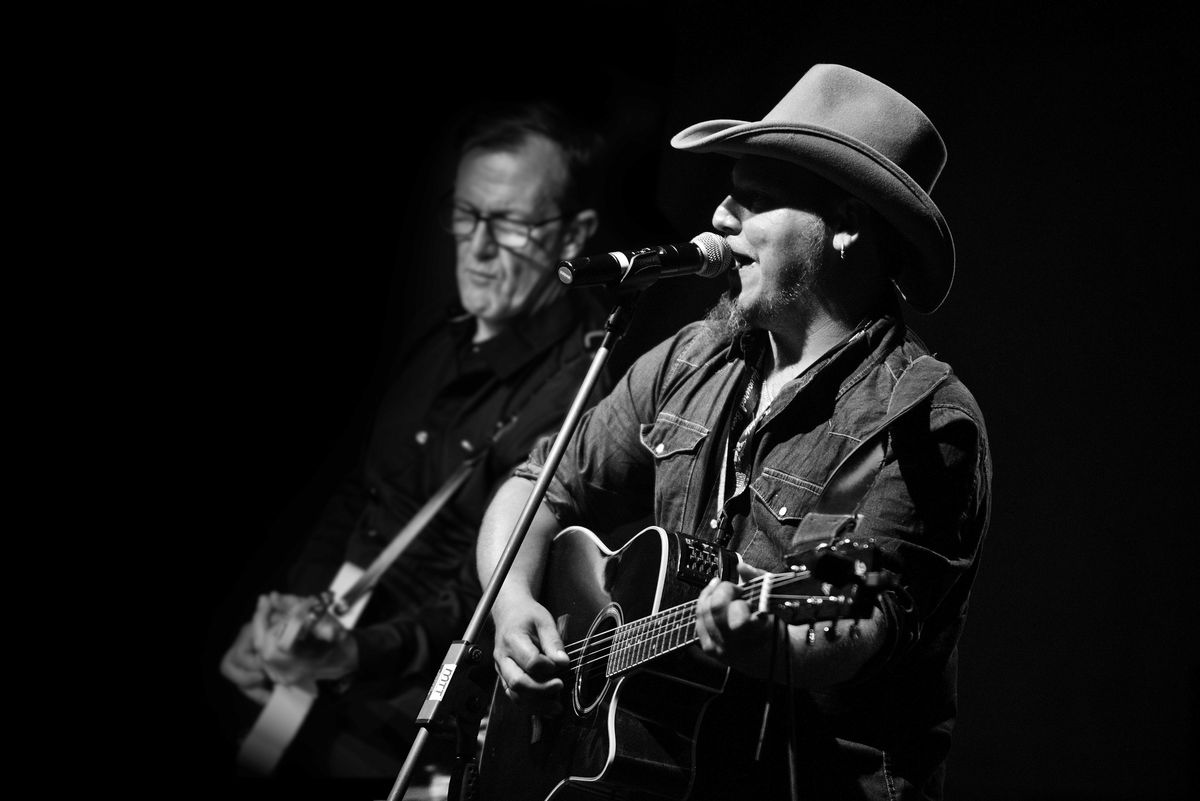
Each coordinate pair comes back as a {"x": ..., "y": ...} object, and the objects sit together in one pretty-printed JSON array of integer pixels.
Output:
[{"x": 803, "y": 427}]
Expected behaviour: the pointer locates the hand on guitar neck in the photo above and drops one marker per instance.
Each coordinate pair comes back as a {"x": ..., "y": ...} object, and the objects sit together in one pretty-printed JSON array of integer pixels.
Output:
[
  {"x": 726, "y": 626},
  {"x": 299, "y": 642},
  {"x": 736, "y": 630},
  {"x": 289, "y": 645}
]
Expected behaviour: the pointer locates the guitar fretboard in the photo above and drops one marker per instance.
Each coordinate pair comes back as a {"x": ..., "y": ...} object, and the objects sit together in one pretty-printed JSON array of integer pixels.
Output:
[
  {"x": 639, "y": 641},
  {"x": 642, "y": 640}
]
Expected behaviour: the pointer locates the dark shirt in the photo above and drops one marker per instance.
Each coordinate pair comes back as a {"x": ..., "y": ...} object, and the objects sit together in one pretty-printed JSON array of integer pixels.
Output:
[
  {"x": 655, "y": 446},
  {"x": 446, "y": 400}
]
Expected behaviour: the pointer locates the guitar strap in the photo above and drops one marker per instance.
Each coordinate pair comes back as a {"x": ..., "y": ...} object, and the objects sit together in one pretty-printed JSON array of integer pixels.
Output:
[{"x": 405, "y": 536}]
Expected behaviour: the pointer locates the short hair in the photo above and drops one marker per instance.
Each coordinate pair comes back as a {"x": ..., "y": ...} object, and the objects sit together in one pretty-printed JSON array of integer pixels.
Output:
[{"x": 504, "y": 124}]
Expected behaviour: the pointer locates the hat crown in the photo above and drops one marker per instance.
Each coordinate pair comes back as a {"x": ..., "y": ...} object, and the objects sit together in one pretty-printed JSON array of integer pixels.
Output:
[
  {"x": 870, "y": 140},
  {"x": 852, "y": 105}
]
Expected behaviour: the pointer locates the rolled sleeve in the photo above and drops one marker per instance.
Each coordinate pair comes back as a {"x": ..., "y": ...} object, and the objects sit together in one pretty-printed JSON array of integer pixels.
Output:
[{"x": 606, "y": 476}]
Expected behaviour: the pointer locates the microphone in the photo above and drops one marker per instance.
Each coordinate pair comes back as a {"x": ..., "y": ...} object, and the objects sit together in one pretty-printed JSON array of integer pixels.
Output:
[{"x": 707, "y": 255}]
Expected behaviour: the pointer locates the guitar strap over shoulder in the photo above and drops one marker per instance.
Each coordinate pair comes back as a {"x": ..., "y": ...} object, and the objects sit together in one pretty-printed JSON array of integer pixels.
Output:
[{"x": 421, "y": 519}]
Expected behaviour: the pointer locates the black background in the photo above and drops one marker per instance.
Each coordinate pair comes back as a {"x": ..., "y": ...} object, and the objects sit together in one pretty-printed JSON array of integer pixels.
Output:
[{"x": 1070, "y": 193}]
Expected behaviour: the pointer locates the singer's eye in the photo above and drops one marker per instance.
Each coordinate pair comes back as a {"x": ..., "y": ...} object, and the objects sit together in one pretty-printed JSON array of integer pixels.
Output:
[{"x": 752, "y": 201}]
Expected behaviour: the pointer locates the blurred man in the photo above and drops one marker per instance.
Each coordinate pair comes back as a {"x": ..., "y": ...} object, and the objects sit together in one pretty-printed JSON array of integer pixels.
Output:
[{"x": 499, "y": 373}]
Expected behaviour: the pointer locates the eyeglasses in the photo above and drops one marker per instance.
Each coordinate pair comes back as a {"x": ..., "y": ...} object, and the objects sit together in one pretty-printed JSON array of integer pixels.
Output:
[{"x": 461, "y": 221}]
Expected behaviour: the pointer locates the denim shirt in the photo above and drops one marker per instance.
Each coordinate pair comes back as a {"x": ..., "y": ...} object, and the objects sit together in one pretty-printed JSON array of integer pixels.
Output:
[{"x": 654, "y": 448}]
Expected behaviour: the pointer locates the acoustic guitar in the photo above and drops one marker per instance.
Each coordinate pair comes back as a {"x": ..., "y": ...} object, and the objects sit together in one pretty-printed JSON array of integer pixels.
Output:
[{"x": 637, "y": 693}]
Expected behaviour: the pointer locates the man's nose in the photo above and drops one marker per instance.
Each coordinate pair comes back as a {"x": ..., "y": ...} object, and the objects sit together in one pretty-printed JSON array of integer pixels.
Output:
[
  {"x": 483, "y": 241},
  {"x": 725, "y": 218}
]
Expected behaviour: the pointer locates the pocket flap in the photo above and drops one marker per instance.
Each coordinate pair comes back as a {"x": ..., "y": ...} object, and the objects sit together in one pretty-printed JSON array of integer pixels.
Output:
[
  {"x": 785, "y": 496},
  {"x": 670, "y": 434}
]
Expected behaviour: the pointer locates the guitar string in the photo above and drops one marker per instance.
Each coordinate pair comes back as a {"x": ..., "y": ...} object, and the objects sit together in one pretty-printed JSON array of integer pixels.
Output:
[
  {"x": 667, "y": 622},
  {"x": 668, "y": 619},
  {"x": 600, "y": 658},
  {"x": 669, "y": 627},
  {"x": 664, "y": 616},
  {"x": 644, "y": 649}
]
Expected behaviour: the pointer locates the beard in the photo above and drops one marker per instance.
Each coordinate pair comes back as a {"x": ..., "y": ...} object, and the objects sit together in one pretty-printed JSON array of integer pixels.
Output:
[
  {"x": 730, "y": 318},
  {"x": 726, "y": 320}
]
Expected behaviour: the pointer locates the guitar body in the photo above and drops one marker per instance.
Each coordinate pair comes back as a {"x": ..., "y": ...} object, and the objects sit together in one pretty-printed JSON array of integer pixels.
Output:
[{"x": 631, "y": 735}]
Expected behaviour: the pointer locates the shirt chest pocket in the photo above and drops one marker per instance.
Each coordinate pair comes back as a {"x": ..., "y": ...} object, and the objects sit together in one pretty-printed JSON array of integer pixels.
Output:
[
  {"x": 676, "y": 445},
  {"x": 780, "y": 502}
]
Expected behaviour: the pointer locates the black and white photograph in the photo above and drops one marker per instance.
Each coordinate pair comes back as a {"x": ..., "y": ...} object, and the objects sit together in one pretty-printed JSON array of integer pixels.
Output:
[{"x": 692, "y": 401}]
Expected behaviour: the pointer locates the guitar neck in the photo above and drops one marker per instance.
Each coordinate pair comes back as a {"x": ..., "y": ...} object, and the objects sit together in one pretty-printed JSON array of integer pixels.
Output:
[
  {"x": 640, "y": 641},
  {"x": 651, "y": 637}
]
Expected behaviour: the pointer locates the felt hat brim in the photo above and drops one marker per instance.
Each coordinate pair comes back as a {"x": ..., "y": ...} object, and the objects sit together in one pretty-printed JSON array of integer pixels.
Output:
[{"x": 861, "y": 171}]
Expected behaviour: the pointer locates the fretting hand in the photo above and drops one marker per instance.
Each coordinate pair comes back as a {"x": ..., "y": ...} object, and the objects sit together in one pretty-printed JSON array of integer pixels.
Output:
[
  {"x": 726, "y": 625},
  {"x": 242, "y": 663},
  {"x": 296, "y": 648}
]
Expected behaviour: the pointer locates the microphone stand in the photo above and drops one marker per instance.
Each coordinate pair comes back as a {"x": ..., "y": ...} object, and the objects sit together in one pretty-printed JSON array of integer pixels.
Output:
[{"x": 453, "y": 697}]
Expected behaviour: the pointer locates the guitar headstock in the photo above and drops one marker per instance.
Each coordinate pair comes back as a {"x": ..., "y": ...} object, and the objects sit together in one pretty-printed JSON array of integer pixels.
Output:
[{"x": 830, "y": 582}]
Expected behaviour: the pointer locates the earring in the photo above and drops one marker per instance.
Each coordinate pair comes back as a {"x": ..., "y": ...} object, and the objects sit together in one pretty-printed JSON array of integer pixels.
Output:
[{"x": 842, "y": 251}]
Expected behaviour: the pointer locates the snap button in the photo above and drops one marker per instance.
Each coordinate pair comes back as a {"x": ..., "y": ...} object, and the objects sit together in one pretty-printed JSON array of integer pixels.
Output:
[
  {"x": 422, "y": 437},
  {"x": 713, "y": 523},
  {"x": 782, "y": 511},
  {"x": 659, "y": 448}
]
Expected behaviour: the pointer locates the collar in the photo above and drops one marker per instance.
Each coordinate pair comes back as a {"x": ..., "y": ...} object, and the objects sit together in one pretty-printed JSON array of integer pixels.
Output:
[
  {"x": 750, "y": 346},
  {"x": 868, "y": 337},
  {"x": 524, "y": 340}
]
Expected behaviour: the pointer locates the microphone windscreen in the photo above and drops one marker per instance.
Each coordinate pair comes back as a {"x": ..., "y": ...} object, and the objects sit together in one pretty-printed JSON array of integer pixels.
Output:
[{"x": 718, "y": 256}]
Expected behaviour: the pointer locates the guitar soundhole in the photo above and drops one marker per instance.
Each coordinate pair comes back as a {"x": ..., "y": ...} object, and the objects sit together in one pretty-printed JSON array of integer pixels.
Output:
[{"x": 590, "y": 679}]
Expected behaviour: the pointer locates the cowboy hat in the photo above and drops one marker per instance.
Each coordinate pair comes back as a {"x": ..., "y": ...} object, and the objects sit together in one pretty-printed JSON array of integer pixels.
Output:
[{"x": 868, "y": 139}]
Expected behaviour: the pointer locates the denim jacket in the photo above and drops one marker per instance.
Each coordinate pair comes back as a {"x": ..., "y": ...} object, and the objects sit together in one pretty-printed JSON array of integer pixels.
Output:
[{"x": 654, "y": 448}]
